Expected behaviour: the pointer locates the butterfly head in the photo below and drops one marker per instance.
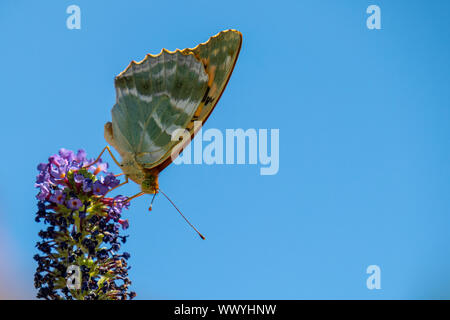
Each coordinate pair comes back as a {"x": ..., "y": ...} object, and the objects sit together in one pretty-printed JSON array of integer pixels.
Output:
[{"x": 150, "y": 183}]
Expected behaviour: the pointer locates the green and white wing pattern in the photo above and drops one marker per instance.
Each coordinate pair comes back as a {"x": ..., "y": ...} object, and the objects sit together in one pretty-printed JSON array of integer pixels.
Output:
[
  {"x": 166, "y": 92},
  {"x": 155, "y": 97},
  {"x": 219, "y": 55}
]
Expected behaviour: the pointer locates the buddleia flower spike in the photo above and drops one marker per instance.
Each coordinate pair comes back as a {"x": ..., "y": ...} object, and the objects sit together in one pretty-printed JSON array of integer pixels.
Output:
[{"x": 80, "y": 246}]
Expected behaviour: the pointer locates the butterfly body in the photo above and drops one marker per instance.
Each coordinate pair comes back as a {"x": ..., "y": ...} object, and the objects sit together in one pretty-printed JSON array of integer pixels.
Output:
[{"x": 161, "y": 94}]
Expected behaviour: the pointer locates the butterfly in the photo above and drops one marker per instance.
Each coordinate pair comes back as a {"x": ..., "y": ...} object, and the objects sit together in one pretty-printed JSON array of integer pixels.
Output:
[{"x": 163, "y": 93}]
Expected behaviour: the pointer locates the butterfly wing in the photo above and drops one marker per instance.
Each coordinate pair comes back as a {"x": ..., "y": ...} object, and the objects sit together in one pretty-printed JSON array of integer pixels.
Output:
[
  {"x": 219, "y": 55},
  {"x": 155, "y": 97},
  {"x": 169, "y": 91}
]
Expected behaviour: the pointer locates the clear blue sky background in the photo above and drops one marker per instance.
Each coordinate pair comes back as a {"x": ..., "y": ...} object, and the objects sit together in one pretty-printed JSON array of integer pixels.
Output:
[{"x": 364, "y": 144}]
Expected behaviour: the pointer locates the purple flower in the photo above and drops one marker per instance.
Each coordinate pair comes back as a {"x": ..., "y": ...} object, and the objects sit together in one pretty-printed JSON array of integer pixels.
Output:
[
  {"x": 67, "y": 154},
  {"x": 87, "y": 185},
  {"x": 58, "y": 161},
  {"x": 43, "y": 176},
  {"x": 42, "y": 166},
  {"x": 78, "y": 178},
  {"x": 111, "y": 181},
  {"x": 81, "y": 157},
  {"x": 44, "y": 191},
  {"x": 58, "y": 172},
  {"x": 114, "y": 212},
  {"x": 58, "y": 197},
  {"x": 124, "y": 223},
  {"x": 121, "y": 202},
  {"x": 74, "y": 203},
  {"x": 99, "y": 188},
  {"x": 101, "y": 167},
  {"x": 116, "y": 205},
  {"x": 73, "y": 166}
]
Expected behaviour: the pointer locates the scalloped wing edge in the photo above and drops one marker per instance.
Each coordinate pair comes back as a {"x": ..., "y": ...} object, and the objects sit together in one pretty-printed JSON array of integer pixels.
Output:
[{"x": 185, "y": 51}]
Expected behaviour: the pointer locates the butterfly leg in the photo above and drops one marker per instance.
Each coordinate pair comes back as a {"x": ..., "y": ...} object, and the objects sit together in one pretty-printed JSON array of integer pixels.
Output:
[
  {"x": 99, "y": 156},
  {"x": 135, "y": 196}
]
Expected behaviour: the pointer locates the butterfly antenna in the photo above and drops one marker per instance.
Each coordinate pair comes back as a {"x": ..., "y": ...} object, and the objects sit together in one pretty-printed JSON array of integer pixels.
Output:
[
  {"x": 151, "y": 203},
  {"x": 201, "y": 236}
]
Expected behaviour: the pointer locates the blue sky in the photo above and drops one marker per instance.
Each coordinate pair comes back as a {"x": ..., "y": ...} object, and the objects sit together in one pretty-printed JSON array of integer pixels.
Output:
[{"x": 364, "y": 145}]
